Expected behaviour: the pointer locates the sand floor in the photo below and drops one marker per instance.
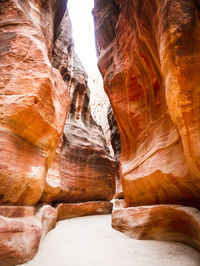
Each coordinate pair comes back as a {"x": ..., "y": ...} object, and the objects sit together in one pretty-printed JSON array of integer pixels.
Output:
[{"x": 91, "y": 241}]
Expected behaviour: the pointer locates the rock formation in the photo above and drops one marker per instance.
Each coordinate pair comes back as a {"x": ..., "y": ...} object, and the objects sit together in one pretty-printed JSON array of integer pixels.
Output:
[
  {"x": 45, "y": 158},
  {"x": 116, "y": 145},
  {"x": 82, "y": 169},
  {"x": 71, "y": 210},
  {"x": 21, "y": 228},
  {"x": 99, "y": 104},
  {"x": 155, "y": 101},
  {"x": 159, "y": 222},
  {"x": 148, "y": 54},
  {"x": 40, "y": 78},
  {"x": 34, "y": 98}
]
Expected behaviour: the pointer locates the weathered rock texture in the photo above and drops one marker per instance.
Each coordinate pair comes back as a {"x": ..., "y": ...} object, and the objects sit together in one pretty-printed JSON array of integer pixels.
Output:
[
  {"x": 162, "y": 222},
  {"x": 21, "y": 229},
  {"x": 116, "y": 144},
  {"x": 40, "y": 78},
  {"x": 99, "y": 104},
  {"x": 82, "y": 168},
  {"x": 149, "y": 55},
  {"x": 70, "y": 210},
  {"x": 85, "y": 169},
  {"x": 34, "y": 98}
]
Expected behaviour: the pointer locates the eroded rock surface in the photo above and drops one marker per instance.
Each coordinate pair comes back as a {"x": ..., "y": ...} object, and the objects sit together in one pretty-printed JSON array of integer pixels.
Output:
[
  {"x": 82, "y": 168},
  {"x": 21, "y": 229},
  {"x": 34, "y": 98},
  {"x": 71, "y": 210},
  {"x": 149, "y": 57},
  {"x": 116, "y": 145},
  {"x": 162, "y": 222},
  {"x": 85, "y": 169}
]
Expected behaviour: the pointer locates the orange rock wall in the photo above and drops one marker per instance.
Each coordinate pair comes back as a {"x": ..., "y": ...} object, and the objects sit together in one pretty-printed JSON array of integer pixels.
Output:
[
  {"x": 33, "y": 101},
  {"x": 149, "y": 55}
]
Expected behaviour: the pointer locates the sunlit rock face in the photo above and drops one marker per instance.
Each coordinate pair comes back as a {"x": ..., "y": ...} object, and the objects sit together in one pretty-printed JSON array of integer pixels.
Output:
[
  {"x": 99, "y": 104},
  {"x": 34, "y": 98},
  {"x": 82, "y": 168},
  {"x": 149, "y": 55}
]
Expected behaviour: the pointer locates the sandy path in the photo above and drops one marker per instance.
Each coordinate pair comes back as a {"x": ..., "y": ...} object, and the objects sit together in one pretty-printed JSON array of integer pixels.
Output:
[{"x": 90, "y": 241}]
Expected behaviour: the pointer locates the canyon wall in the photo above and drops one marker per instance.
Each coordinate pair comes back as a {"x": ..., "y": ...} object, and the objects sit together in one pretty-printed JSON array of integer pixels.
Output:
[
  {"x": 41, "y": 81},
  {"x": 82, "y": 169},
  {"x": 116, "y": 145},
  {"x": 51, "y": 148},
  {"x": 86, "y": 170},
  {"x": 34, "y": 98},
  {"x": 148, "y": 54}
]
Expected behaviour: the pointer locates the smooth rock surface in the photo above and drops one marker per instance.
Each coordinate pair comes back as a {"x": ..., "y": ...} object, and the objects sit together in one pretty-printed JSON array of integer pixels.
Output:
[
  {"x": 92, "y": 241},
  {"x": 161, "y": 222},
  {"x": 148, "y": 55},
  {"x": 21, "y": 229},
  {"x": 70, "y": 210},
  {"x": 34, "y": 98}
]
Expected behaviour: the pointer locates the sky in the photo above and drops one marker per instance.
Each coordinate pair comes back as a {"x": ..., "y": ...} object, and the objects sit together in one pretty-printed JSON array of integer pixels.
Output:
[{"x": 83, "y": 32}]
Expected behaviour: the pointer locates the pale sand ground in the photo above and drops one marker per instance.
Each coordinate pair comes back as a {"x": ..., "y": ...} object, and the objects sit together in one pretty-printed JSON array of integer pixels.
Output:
[{"x": 91, "y": 241}]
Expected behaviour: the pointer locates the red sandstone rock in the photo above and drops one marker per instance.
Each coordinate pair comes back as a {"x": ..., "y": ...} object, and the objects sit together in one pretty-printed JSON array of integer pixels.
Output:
[
  {"x": 149, "y": 57},
  {"x": 161, "y": 222},
  {"x": 19, "y": 235},
  {"x": 47, "y": 216},
  {"x": 21, "y": 230},
  {"x": 82, "y": 168},
  {"x": 34, "y": 99},
  {"x": 70, "y": 210}
]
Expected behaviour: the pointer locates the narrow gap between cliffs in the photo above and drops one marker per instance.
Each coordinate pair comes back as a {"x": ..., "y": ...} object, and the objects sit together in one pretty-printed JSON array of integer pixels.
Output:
[{"x": 80, "y": 12}]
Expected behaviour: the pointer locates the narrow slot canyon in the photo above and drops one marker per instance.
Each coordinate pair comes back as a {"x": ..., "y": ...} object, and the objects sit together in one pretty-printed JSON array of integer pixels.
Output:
[{"x": 99, "y": 132}]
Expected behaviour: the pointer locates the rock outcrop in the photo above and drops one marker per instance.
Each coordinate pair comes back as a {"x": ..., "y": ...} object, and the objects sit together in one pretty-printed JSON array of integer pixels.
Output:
[
  {"x": 149, "y": 57},
  {"x": 99, "y": 104},
  {"x": 160, "y": 222},
  {"x": 21, "y": 229},
  {"x": 82, "y": 168},
  {"x": 71, "y": 210}
]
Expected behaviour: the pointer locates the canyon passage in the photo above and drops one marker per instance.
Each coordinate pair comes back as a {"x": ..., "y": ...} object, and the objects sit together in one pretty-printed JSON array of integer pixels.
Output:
[{"x": 68, "y": 149}]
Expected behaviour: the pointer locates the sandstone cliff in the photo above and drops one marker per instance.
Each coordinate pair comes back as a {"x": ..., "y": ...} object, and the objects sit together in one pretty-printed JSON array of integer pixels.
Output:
[
  {"x": 44, "y": 157},
  {"x": 83, "y": 168},
  {"x": 34, "y": 98},
  {"x": 148, "y": 55}
]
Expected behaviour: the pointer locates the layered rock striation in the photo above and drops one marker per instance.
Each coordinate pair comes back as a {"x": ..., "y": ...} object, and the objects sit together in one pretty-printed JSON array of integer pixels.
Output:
[
  {"x": 85, "y": 169},
  {"x": 116, "y": 145},
  {"x": 148, "y": 54},
  {"x": 51, "y": 148},
  {"x": 34, "y": 99},
  {"x": 149, "y": 58},
  {"x": 82, "y": 168},
  {"x": 41, "y": 80}
]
